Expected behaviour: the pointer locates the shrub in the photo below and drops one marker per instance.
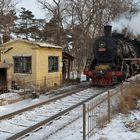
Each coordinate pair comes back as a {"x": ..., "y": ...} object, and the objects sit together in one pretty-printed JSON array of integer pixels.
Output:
[{"x": 130, "y": 96}]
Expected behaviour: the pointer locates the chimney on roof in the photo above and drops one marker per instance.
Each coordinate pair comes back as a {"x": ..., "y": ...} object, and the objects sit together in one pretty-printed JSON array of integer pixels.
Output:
[{"x": 6, "y": 37}]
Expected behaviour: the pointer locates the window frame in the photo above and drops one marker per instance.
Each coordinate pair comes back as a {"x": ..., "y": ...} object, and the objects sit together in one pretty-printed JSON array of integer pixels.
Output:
[
  {"x": 53, "y": 64},
  {"x": 22, "y": 64}
]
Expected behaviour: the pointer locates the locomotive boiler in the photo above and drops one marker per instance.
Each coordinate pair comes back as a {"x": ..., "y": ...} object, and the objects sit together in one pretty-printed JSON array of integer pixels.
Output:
[{"x": 115, "y": 59}]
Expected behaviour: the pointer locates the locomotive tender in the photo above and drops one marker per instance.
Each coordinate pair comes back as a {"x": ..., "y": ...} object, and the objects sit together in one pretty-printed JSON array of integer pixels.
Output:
[{"x": 115, "y": 59}]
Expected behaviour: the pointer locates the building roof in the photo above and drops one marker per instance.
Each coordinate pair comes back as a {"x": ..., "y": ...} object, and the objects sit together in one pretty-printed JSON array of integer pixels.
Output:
[
  {"x": 39, "y": 44},
  {"x": 67, "y": 56}
]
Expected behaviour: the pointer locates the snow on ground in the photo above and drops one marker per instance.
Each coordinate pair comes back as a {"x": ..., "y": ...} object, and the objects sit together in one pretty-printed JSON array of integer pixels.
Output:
[
  {"x": 122, "y": 127},
  {"x": 6, "y": 109},
  {"x": 9, "y": 95},
  {"x": 20, "y": 105},
  {"x": 72, "y": 132},
  {"x": 116, "y": 130}
]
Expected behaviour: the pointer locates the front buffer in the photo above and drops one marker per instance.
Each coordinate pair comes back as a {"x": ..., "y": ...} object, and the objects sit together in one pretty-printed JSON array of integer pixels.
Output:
[{"x": 105, "y": 78}]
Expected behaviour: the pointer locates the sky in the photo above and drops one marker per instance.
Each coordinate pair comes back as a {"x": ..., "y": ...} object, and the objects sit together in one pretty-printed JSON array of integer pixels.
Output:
[
  {"x": 119, "y": 24},
  {"x": 32, "y": 6}
]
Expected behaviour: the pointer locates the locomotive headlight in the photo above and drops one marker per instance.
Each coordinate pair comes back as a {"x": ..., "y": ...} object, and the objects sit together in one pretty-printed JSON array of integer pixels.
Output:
[
  {"x": 101, "y": 71},
  {"x": 102, "y": 46}
]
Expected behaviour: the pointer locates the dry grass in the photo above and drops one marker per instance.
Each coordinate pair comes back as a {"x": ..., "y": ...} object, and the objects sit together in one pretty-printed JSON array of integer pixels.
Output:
[
  {"x": 130, "y": 96},
  {"x": 102, "y": 121}
]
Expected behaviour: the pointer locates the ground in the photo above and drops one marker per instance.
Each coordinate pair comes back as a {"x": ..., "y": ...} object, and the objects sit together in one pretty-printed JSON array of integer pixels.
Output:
[{"x": 123, "y": 127}]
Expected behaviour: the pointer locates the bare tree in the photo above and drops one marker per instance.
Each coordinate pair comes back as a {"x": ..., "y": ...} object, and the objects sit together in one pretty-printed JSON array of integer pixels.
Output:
[
  {"x": 7, "y": 5},
  {"x": 55, "y": 11},
  {"x": 54, "y": 7},
  {"x": 7, "y": 14},
  {"x": 85, "y": 19}
]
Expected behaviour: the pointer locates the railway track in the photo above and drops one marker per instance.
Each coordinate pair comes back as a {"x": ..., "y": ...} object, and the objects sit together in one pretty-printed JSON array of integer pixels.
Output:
[
  {"x": 28, "y": 121},
  {"x": 52, "y": 97}
]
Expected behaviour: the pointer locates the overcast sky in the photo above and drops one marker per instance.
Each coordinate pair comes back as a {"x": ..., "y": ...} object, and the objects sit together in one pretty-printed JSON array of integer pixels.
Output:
[{"x": 32, "y": 6}]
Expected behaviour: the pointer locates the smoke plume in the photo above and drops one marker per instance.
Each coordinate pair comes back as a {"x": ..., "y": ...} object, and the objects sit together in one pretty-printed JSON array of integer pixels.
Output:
[{"x": 131, "y": 23}]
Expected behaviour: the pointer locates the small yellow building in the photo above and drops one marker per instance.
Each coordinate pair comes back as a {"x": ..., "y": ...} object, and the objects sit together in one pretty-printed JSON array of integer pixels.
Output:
[{"x": 31, "y": 63}]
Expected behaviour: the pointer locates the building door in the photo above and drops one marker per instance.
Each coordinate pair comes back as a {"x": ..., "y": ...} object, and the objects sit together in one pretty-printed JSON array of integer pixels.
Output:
[
  {"x": 64, "y": 69},
  {"x": 3, "y": 77}
]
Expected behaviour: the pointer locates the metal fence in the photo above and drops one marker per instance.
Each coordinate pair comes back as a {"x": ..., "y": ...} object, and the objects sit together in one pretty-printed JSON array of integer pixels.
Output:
[
  {"x": 21, "y": 89},
  {"x": 45, "y": 83},
  {"x": 99, "y": 111}
]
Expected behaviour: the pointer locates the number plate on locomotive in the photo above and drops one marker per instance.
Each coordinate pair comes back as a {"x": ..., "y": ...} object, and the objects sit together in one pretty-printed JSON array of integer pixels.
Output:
[{"x": 102, "y": 49}]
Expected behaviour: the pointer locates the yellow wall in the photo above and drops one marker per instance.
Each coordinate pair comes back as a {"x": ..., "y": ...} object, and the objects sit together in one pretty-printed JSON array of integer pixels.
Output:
[
  {"x": 52, "y": 78},
  {"x": 39, "y": 63}
]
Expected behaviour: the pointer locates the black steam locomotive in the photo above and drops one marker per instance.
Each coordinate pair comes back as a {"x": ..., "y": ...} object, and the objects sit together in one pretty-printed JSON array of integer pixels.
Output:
[{"x": 115, "y": 59}]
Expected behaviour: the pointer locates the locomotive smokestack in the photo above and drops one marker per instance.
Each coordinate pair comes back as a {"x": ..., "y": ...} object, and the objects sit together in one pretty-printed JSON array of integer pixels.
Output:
[{"x": 107, "y": 30}]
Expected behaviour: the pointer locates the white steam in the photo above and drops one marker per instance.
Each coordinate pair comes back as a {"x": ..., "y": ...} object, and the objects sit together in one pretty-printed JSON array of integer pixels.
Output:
[{"x": 131, "y": 23}]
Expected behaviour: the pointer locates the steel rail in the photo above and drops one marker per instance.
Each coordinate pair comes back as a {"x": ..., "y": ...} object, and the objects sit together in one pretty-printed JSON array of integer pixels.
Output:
[
  {"x": 10, "y": 115},
  {"x": 34, "y": 127}
]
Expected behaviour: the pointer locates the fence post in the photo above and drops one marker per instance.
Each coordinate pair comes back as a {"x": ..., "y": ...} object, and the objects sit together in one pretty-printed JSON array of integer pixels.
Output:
[
  {"x": 121, "y": 100},
  {"x": 121, "y": 89},
  {"x": 24, "y": 89},
  {"x": 84, "y": 122},
  {"x": 45, "y": 81},
  {"x": 109, "y": 112},
  {"x": 136, "y": 79}
]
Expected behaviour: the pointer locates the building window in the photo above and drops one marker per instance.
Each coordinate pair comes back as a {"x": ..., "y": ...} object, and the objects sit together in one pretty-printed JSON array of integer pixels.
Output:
[
  {"x": 22, "y": 64},
  {"x": 53, "y": 63}
]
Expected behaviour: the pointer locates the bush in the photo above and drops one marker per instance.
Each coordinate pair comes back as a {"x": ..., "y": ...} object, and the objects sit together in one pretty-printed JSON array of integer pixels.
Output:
[{"x": 130, "y": 96}]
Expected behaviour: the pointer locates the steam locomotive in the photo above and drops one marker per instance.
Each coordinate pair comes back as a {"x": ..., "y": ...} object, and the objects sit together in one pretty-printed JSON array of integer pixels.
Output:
[{"x": 116, "y": 58}]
